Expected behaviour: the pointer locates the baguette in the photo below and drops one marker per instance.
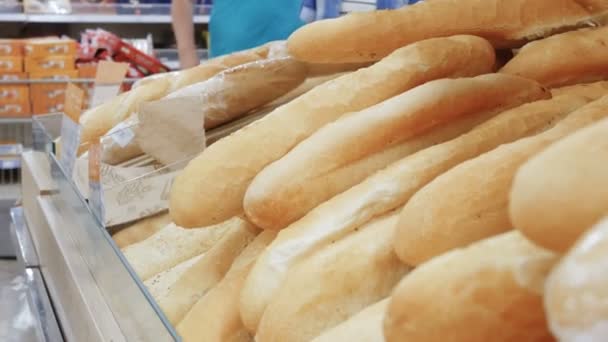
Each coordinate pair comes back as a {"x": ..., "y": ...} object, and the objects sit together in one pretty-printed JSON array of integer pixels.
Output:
[
  {"x": 372, "y": 35},
  {"x": 365, "y": 326},
  {"x": 225, "y": 169},
  {"x": 216, "y": 317},
  {"x": 162, "y": 283},
  {"x": 172, "y": 245},
  {"x": 141, "y": 230},
  {"x": 213, "y": 66},
  {"x": 235, "y": 91},
  {"x": 205, "y": 273},
  {"x": 489, "y": 291},
  {"x": 113, "y": 149},
  {"x": 575, "y": 292},
  {"x": 334, "y": 284},
  {"x": 554, "y": 208},
  {"x": 99, "y": 120},
  {"x": 281, "y": 193},
  {"x": 591, "y": 90},
  {"x": 557, "y": 60},
  {"x": 471, "y": 201},
  {"x": 382, "y": 192}
]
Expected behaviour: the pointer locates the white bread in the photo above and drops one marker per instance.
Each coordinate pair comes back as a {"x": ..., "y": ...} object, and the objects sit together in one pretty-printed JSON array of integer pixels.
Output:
[
  {"x": 114, "y": 151},
  {"x": 334, "y": 284},
  {"x": 553, "y": 208},
  {"x": 213, "y": 66},
  {"x": 151, "y": 78},
  {"x": 365, "y": 326},
  {"x": 489, "y": 291},
  {"x": 337, "y": 180},
  {"x": 225, "y": 169},
  {"x": 372, "y": 35},
  {"x": 161, "y": 284},
  {"x": 564, "y": 59},
  {"x": 141, "y": 230},
  {"x": 471, "y": 201},
  {"x": 280, "y": 194},
  {"x": 576, "y": 292},
  {"x": 235, "y": 91},
  {"x": 593, "y": 90},
  {"x": 203, "y": 275},
  {"x": 216, "y": 317},
  {"x": 380, "y": 193},
  {"x": 172, "y": 245},
  {"x": 98, "y": 121}
]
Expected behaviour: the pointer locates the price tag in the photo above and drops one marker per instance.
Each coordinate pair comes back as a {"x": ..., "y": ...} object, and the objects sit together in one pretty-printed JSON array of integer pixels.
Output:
[
  {"x": 122, "y": 134},
  {"x": 70, "y": 127},
  {"x": 108, "y": 80},
  {"x": 96, "y": 198}
]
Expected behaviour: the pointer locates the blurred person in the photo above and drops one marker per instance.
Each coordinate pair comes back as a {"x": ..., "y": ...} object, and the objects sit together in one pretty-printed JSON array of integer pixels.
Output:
[{"x": 234, "y": 25}]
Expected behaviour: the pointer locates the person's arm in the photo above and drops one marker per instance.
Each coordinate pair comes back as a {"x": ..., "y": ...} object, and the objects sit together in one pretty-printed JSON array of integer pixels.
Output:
[{"x": 183, "y": 27}]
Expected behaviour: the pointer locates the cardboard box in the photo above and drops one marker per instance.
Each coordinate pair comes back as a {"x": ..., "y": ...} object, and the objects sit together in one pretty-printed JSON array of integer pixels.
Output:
[
  {"x": 50, "y": 47},
  {"x": 47, "y": 107},
  {"x": 11, "y": 64},
  {"x": 42, "y": 64},
  {"x": 14, "y": 93},
  {"x": 87, "y": 70},
  {"x": 13, "y": 76},
  {"x": 21, "y": 109},
  {"x": 54, "y": 75},
  {"x": 11, "y": 47},
  {"x": 47, "y": 97}
]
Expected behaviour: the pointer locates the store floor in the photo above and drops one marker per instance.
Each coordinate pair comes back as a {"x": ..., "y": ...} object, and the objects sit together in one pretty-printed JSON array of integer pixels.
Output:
[{"x": 16, "y": 321}]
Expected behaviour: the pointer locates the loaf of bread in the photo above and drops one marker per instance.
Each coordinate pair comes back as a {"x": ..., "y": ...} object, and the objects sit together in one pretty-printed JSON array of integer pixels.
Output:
[
  {"x": 576, "y": 292},
  {"x": 564, "y": 59},
  {"x": 225, "y": 169},
  {"x": 386, "y": 190},
  {"x": 98, "y": 121},
  {"x": 119, "y": 145},
  {"x": 471, "y": 201},
  {"x": 280, "y": 194},
  {"x": 365, "y": 326},
  {"x": 562, "y": 191},
  {"x": 489, "y": 291},
  {"x": 372, "y": 35},
  {"x": 160, "y": 284},
  {"x": 333, "y": 284},
  {"x": 205, "y": 273},
  {"x": 141, "y": 230},
  {"x": 172, "y": 245},
  {"x": 170, "y": 76},
  {"x": 213, "y": 66},
  {"x": 591, "y": 90},
  {"x": 216, "y": 316},
  {"x": 235, "y": 91}
]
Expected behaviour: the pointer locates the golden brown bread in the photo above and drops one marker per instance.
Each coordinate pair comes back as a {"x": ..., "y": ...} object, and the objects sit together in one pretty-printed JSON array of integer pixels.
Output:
[
  {"x": 471, "y": 201},
  {"x": 576, "y": 292},
  {"x": 372, "y": 35},
  {"x": 172, "y": 245},
  {"x": 365, "y": 326},
  {"x": 562, "y": 191},
  {"x": 592, "y": 91},
  {"x": 235, "y": 91},
  {"x": 225, "y": 169},
  {"x": 216, "y": 317},
  {"x": 489, "y": 291},
  {"x": 380, "y": 193},
  {"x": 141, "y": 230},
  {"x": 334, "y": 284},
  {"x": 280, "y": 194},
  {"x": 205, "y": 273},
  {"x": 162, "y": 283},
  {"x": 564, "y": 59}
]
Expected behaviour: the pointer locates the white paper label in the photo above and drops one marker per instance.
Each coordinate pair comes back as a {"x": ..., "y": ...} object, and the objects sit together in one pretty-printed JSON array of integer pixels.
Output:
[{"x": 122, "y": 134}]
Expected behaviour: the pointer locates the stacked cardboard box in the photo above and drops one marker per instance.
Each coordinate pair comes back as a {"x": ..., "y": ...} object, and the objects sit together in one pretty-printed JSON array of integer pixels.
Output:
[{"x": 14, "y": 98}]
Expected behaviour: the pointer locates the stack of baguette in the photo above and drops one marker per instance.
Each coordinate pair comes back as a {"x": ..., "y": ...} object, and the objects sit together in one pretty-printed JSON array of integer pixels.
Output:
[{"x": 427, "y": 196}]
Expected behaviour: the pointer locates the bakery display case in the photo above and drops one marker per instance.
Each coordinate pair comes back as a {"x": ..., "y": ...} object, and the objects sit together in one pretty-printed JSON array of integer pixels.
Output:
[{"x": 97, "y": 295}]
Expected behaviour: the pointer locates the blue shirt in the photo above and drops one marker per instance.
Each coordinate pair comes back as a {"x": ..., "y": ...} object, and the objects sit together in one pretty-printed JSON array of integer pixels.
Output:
[{"x": 242, "y": 24}]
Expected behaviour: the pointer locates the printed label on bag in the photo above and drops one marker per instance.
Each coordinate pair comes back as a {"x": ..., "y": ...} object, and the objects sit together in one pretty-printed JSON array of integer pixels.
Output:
[{"x": 122, "y": 134}]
